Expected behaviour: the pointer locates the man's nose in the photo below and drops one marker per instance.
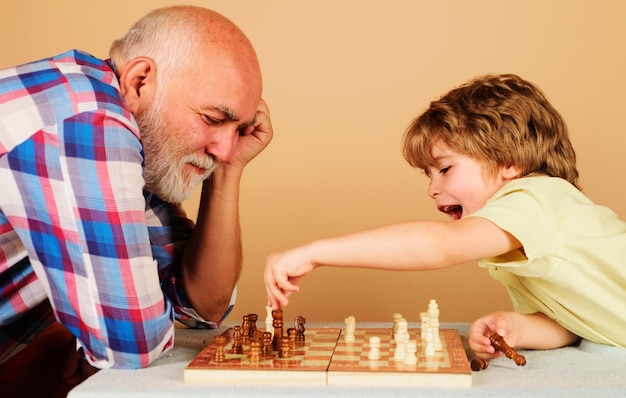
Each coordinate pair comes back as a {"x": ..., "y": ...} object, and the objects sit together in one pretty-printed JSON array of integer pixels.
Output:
[{"x": 223, "y": 144}]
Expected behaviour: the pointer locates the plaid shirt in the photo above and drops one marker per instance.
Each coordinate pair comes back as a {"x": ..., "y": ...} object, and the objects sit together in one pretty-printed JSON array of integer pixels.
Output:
[{"x": 78, "y": 235}]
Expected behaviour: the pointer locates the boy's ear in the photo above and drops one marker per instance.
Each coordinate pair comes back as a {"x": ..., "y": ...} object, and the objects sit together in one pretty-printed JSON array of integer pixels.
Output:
[
  {"x": 510, "y": 172},
  {"x": 138, "y": 84}
]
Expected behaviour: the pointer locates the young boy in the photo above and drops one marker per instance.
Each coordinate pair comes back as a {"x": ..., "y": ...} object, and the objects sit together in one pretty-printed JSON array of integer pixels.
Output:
[{"x": 502, "y": 167}]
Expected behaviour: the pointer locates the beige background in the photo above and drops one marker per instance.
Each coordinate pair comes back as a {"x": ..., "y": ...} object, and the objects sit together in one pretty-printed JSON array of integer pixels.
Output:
[{"x": 343, "y": 79}]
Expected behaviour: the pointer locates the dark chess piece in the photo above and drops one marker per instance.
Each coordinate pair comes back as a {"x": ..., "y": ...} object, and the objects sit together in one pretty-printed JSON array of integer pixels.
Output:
[
  {"x": 253, "y": 318},
  {"x": 299, "y": 325},
  {"x": 237, "y": 341},
  {"x": 220, "y": 342},
  {"x": 500, "y": 345},
  {"x": 255, "y": 352},
  {"x": 277, "y": 316}
]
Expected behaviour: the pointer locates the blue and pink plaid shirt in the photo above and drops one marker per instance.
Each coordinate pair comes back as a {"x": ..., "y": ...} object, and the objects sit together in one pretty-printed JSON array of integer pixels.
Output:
[{"x": 78, "y": 234}]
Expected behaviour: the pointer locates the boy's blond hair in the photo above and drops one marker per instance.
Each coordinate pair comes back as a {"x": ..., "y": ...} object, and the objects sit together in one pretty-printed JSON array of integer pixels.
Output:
[{"x": 500, "y": 120}]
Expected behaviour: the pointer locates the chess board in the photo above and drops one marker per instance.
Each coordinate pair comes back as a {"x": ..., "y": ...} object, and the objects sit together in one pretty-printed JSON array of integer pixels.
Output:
[{"x": 326, "y": 358}]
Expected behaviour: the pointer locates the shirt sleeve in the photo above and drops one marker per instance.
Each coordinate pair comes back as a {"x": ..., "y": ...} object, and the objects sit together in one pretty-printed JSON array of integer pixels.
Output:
[{"x": 84, "y": 228}]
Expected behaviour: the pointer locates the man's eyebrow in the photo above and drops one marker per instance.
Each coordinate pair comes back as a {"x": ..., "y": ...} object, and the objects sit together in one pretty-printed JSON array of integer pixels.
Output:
[{"x": 231, "y": 115}]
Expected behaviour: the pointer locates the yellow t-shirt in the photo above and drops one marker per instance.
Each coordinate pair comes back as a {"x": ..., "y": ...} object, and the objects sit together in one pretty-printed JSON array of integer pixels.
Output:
[{"x": 573, "y": 267}]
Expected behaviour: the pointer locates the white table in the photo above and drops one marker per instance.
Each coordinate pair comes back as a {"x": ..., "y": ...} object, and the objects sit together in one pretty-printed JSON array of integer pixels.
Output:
[{"x": 588, "y": 370}]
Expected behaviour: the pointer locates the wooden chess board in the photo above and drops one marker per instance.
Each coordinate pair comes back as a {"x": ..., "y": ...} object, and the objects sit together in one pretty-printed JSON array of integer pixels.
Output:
[{"x": 326, "y": 358}]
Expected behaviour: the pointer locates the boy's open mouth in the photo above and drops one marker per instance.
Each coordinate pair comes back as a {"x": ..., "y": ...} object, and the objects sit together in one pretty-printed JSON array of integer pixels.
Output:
[{"x": 454, "y": 211}]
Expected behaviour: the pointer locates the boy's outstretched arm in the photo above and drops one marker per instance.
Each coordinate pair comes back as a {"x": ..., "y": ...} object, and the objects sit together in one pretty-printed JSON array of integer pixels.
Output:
[
  {"x": 533, "y": 331},
  {"x": 409, "y": 246}
]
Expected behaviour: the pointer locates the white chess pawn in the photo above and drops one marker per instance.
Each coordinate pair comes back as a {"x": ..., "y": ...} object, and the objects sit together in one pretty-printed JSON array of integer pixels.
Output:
[
  {"x": 424, "y": 325},
  {"x": 411, "y": 349},
  {"x": 429, "y": 350},
  {"x": 396, "y": 317},
  {"x": 350, "y": 326},
  {"x": 374, "y": 353},
  {"x": 401, "y": 339},
  {"x": 402, "y": 328},
  {"x": 438, "y": 344}
]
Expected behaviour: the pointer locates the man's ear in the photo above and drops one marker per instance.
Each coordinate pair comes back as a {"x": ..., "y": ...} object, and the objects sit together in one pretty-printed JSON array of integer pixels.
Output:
[{"x": 138, "y": 84}]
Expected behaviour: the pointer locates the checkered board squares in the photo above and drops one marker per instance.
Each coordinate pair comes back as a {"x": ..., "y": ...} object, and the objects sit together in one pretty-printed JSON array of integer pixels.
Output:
[
  {"x": 326, "y": 358},
  {"x": 307, "y": 365},
  {"x": 350, "y": 363}
]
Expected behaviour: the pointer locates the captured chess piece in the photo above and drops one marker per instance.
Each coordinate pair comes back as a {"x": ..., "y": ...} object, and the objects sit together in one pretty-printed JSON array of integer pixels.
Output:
[
  {"x": 500, "y": 345},
  {"x": 479, "y": 364}
]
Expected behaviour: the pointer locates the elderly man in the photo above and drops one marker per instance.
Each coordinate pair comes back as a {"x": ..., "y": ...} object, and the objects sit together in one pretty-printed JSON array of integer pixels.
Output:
[{"x": 95, "y": 158}]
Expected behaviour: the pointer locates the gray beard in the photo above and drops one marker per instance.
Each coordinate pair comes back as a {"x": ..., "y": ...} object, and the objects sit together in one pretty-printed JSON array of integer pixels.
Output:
[{"x": 165, "y": 160}]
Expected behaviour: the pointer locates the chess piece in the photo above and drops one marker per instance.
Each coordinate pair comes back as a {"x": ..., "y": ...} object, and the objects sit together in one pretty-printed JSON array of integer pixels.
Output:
[
  {"x": 401, "y": 339},
  {"x": 245, "y": 329},
  {"x": 299, "y": 324},
  {"x": 266, "y": 346},
  {"x": 429, "y": 350},
  {"x": 500, "y": 345},
  {"x": 291, "y": 335},
  {"x": 237, "y": 341},
  {"x": 374, "y": 352},
  {"x": 269, "y": 327},
  {"x": 277, "y": 316},
  {"x": 433, "y": 322},
  {"x": 396, "y": 316},
  {"x": 402, "y": 329},
  {"x": 220, "y": 342},
  {"x": 350, "y": 327},
  {"x": 400, "y": 351},
  {"x": 255, "y": 352},
  {"x": 479, "y": 364},
  {"x": 411, "y": 350},
  {"x": 253, "y": 318},
  {"x": 257, "y": 335},
  {"x": 284, "y": 349},
  {"x": 424, "y": 324}
]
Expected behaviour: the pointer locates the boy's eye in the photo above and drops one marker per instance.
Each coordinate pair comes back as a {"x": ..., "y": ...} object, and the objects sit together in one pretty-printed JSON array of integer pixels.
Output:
[{"x": 444, "y": 170}]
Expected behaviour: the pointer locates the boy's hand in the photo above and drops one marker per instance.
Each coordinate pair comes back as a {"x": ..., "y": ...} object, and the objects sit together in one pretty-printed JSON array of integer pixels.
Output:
[
  {"x": 283, "y": 272},
  {"x": 503, "y": 323},
  {"x": 534, "y": 331}
]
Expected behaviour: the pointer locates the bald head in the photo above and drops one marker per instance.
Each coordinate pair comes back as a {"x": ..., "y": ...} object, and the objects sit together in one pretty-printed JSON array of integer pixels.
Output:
[{"x": 181, "y": 37}]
